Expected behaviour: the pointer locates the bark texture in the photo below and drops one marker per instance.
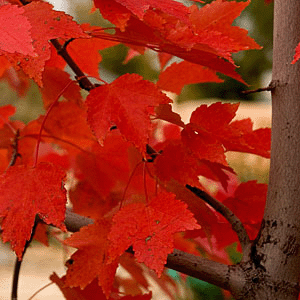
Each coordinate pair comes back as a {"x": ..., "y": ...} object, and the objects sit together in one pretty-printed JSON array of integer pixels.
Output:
[{"x": 274, "y": 266}]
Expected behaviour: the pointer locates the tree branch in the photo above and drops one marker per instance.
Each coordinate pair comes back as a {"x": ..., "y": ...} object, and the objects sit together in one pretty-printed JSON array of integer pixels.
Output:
[
  {"x": 235, "y": 222},
  {"x": 84, "y": 82},
  {"x": 213, "y": 272}
]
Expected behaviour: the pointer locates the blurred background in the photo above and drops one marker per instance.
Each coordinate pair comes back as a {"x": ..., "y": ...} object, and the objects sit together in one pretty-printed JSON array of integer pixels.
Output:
[{"x": 255, "y": 69}]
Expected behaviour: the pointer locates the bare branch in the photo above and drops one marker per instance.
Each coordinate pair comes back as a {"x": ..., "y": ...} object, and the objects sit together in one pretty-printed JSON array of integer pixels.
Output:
[
  {"x": 269, "y": 88},
  {"x": 235, "y": 222}
]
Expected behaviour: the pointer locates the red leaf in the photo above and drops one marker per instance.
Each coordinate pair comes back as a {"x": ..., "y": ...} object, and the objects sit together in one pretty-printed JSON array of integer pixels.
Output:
[
  {"x": 5, "y": 112},
  {"x": 164, "y": 112},
  {"x": 248, "y": 202},
  {"x": 114, "y": 12},
  {"x": 212, "y": 24},
  {"x": 90, "y": 291},
  {"x": 46, "y": 24},
  {"x": 39, "y": 191},
  {"x": 91, "y": 260},
  {"x": 85, "y": 52},
  {"x": 141, "y": 34},
  {"x": 211, "y": 126},
  {"x": 139, "y": 7},
  {"x": 297, "y": 54},
  {"x": 54, "y": 81},
  {"x": 176, "y": 76},
  {"x": 13, "y": 37},
  {"x": 150, "y": 229},
  {"x": 126, "y": 103}
]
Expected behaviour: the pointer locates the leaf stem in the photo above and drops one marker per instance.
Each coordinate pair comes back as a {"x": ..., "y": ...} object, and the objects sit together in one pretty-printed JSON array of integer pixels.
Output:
[
  {"x": 235, "y": 222},
  {"x": 44, "y": 121}
]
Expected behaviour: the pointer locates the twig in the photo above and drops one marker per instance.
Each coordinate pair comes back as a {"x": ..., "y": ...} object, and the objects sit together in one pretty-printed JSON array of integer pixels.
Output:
[
  {"x": 270, "y": 87},
  {"x": 235, "y": 222},
  {"x": 18, "y": 263},
  {"x": 84, "y": 82},
  {"x": 15, "y": 152}
]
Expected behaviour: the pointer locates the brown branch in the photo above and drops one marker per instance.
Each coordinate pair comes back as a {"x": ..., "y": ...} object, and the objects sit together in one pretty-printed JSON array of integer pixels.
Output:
[
  {"x": 84, "y": 82},
  {"x": 213, "y": 272},
  {"x": 235, "y": 222},
  {"x": 270, "y": 87}
]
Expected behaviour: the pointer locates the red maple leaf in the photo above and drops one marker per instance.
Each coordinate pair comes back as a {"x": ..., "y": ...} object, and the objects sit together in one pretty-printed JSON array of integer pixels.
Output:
[
  {"x": 91, "y": 260},
  {"x": 248, "y": 202},
  {"x": 13, "y": 37},
  {"x": 212, "y": 24},
  {"x": 91, "y": 290},
  {"x": 164, "y": 112},
  {"x": 139, "y": 33},
  {"x": 85, "y": 52},
  {"x": 150, "y": 228},
  {"x": 5, "y": 112},
  {"x": 54, "y": 81},
  {"x": 26, "y": 192},
  {"x": 210, "y": 127},
  {"x": 46, "y": 24},
  {"x": 127, "y": 103},
  {"x": 202, "y": 42},
  {"x": 176, "y": 76},
  {"x": 139, "y": 8}
]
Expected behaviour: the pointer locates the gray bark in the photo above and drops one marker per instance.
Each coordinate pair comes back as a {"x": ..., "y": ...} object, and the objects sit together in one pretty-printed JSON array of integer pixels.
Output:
[{"x": 274, "y": 266}]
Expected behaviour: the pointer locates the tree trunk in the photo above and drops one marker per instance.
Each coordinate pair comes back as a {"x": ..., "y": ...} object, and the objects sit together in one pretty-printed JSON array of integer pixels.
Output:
[{"x": 273, "y": 269}]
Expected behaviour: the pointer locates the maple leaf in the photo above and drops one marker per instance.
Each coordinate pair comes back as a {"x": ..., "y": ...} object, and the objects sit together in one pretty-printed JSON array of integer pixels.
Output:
[
  {"x": 164, "y": 112},
  {"x": 141, "y": 34},
  {"x": 139, "y": 7},
  {"x": 85, "y": 52},
  {"x": 91, "y": 290},
  {"x": 210, "y": 127},
  {"x": 54, "y": 81},
  {"x": 126, "y": 103},
  {"x": 149, "y": 229},
  {"x": 39, "y": 191},
  {"x": 114, "y": 12},
  {"x": 176, "y": 76},
  {"x": 91, "y": 260},
  {"x": 60, "y": 129},
  {"x": 248, "y": 201},
  {"x": 15, "y": 31},
  {"x": 212, "y": 25},
  {"x": 46, "y": 24}
]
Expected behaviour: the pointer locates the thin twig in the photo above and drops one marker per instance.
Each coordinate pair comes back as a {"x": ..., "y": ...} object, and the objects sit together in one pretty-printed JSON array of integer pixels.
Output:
[
  {"x": 270, "y": 87},
  {"x": 84, "y": 82},
  {"x": 15, "y": 152},
  {"x": 235, "y": 222},
  {"x": 18, "y": 263}
]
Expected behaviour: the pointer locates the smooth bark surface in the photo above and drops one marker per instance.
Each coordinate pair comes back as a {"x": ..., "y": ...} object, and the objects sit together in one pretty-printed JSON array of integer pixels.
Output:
[{"x": 275, "y": 253}]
